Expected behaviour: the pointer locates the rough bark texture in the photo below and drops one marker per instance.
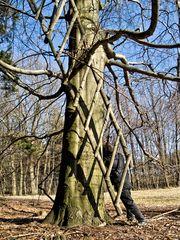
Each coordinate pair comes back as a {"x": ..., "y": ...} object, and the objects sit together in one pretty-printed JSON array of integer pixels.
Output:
[{"x": 79, "y": 199}]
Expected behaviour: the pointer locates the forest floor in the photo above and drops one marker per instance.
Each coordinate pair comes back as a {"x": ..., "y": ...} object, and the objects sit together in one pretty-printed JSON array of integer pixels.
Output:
[{"x": 20, "y": 218}]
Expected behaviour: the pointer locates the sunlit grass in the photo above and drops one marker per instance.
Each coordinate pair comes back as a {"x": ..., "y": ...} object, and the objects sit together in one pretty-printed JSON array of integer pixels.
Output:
[
  {"x": 155, "y": 197},
  {"x": 158, "y": 197}
]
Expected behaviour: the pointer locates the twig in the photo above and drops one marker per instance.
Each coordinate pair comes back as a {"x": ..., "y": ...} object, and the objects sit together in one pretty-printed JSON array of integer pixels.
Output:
[
  {"x": 24, "y": 235},
  {"x": 165, "y": 213}
]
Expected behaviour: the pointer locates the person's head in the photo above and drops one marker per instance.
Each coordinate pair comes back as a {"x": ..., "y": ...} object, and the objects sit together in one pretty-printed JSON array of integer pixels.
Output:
[{"x": 107, "y": 148}]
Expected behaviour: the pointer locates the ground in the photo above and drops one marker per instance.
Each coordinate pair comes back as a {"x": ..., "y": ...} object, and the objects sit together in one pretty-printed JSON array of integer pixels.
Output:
[{"x": 20, "y": 218}]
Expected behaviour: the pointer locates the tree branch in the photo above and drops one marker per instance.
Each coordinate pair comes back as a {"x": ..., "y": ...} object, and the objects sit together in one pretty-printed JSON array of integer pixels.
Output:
[
  {"x": 131, "y": 93},
  {"x": 34, "y": 9},
  {"x": 138, "y": 35},
  {"x": 26, "y": 71},
  {"x": 153, "y": 45},
  {"x": 125, "y": 66},
  {"x": 32, "y": 136},
  {"x": 146, "y": 153},
  {"x": 148, "y": 73},
  {"x": 40, "y": 9},
  {"x": 4, "y": 4},
  {"x": 15, "y": 80}
]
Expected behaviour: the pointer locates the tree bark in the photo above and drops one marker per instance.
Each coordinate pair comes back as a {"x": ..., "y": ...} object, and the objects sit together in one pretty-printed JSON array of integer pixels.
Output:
[{"x": 79, "y": 199}]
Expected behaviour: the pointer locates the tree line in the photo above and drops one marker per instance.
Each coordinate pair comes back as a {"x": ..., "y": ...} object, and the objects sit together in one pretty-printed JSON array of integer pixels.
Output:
[{"x": 31, "y": 141}]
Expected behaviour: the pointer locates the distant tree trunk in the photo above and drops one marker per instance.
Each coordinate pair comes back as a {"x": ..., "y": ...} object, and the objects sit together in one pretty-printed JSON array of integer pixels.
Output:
[
  {"x": 21, "y": 177},
  {"x": 34, "y": 189},
  {"x": 14, "y": 184},
  {"x": 160, "y": 147},
  {"x": 178, "y": 60},
  {"x": 37, "y": 173},
  {"x": 163, "y": 159},
  {"x": 146, "y": 175},
  {"x": 177, "y": 152},
  {"x": 79, "y": 199},
  {"x": 51, "y": 177},
  {"x": 135, "y": 179},
  {"x": 26, "y": 179},
  {"x": 45, "y": 170},
  {"x": 1, "y": 181},
  {"x": 178, "y": 108}
]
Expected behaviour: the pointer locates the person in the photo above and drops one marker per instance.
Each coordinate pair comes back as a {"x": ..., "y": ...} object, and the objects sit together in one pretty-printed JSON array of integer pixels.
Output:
[{"x": 132, "y": 209}]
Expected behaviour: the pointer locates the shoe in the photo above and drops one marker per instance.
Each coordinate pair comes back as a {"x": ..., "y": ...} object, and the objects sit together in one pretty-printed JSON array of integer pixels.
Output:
[{"x": 141, "y": 223}]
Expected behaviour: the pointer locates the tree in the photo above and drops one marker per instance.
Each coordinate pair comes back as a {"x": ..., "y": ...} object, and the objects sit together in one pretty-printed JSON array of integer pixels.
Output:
[
  {"x": 82, "y": 46},
  {"x": 79, "y": 168}
]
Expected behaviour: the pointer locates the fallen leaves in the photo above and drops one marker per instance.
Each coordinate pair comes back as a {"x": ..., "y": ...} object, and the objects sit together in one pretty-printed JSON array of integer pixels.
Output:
[{"x": 21, "y": 220}]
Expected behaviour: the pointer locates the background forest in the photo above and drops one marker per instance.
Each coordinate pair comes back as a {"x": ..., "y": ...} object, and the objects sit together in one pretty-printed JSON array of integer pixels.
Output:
[{"x": 148, "y": 110}]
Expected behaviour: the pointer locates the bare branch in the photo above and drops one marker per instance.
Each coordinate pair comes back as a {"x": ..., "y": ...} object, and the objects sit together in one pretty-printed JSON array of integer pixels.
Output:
[
  {"x": 138, "y": 35},
  {"x": 148, "y": 73},
  {"x": 40, "y": 9},
  {"x": 55, "y": 133},
  {"x": 33, "y": 92},
  {"x": 25, "y": 71},
  {"x": 137, "y": 1},
  {"x": 5, "y": 4},
  {"x": 55, "y": 16},
  {"x": 146, "y": 153},
  {"x": 48, "y": 39},
  {"x": 153, "y": 45},
  {"x": 128, "y": 84},
  {"x": 125, "y": 66}
]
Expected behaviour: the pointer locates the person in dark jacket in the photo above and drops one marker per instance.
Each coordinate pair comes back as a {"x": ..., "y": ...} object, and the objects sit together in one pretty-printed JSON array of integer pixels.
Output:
[{"x": 116, "y": 174}]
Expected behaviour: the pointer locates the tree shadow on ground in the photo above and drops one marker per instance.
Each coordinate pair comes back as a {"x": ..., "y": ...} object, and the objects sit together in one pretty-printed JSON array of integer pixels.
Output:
[{"x": 19, "y": 220}]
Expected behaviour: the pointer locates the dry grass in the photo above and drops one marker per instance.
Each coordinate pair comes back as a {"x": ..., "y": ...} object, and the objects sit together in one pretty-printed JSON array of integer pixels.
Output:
[
  {"x": 157, "y": 197},
  {"x": 169, "y": 197},
  {"x": 146, "y": 198}
]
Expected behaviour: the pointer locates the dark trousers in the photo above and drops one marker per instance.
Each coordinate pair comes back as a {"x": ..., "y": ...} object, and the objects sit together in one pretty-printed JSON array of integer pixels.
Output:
[{"x": 131, "y": 208}]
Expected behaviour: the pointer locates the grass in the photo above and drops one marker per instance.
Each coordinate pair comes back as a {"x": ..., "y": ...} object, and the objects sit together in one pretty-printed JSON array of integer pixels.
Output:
[
  {"x": 154, "y": 197},
  {"x": 158, "y": 197}
]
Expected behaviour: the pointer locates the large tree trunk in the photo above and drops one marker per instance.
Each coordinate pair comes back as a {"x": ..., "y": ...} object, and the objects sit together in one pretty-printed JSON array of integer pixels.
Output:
[{"x": 80, "y": 199}]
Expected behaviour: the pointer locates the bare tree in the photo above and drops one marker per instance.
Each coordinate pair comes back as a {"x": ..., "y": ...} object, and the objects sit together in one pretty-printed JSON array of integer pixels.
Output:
[{"x": 85, "y": 39}]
